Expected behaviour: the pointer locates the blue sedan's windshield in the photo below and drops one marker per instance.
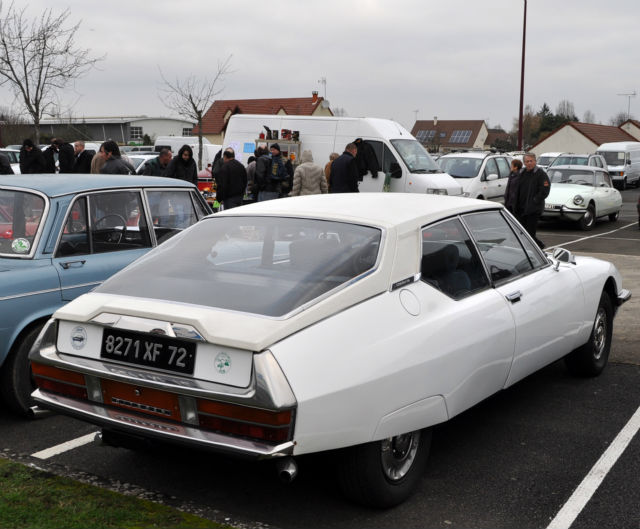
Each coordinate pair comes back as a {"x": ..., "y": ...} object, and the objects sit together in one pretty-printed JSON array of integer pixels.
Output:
[{"x": 260, "y": 265}]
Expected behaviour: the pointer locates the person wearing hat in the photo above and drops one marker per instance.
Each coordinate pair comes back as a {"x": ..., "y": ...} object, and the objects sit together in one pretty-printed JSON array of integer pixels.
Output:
[{"x": 31, "y": 158}]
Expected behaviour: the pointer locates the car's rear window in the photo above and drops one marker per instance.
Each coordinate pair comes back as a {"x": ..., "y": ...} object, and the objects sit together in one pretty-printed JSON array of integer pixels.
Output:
[
  {"x": 20, "y": 216},
  {"x": 260, "y": 265}
]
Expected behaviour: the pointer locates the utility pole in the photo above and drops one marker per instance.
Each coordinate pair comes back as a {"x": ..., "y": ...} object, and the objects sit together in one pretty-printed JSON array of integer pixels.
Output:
[
  {"x": 524, "y": 38},
  {"x": 629, "y": 96}
]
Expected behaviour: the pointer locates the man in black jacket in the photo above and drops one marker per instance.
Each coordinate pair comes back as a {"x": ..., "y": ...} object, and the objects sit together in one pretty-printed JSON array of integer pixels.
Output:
[
  {"x": 344, "y": 171},
  {"x": 82, "y": 163},
  {"x": 31, "y": 158},
  {"x": 231, "y": 180},
  {"x": 158, "y": 165},
  {"x": 533, "y": 188},
  {"x": 5, "y": 165}
]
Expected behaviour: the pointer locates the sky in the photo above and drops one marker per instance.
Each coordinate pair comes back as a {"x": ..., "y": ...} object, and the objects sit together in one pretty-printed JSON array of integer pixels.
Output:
[{"x": 402, "y": 59}]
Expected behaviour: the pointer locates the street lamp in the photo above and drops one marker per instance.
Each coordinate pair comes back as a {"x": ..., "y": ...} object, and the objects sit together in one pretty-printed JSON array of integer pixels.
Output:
[{"x": 524, "y": 38}]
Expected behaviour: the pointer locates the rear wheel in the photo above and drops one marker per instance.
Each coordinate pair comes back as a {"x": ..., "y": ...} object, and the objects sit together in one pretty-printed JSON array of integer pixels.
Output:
[
  {"x": 384, "y": 473},
  {"x": 591, "y": 358},
  {"x": 16, "y": 377},
  {"x": 588, "y": 220}
]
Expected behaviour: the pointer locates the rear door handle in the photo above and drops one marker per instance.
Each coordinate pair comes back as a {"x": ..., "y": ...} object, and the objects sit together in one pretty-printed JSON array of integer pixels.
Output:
[{"x": 514, "y": 297}]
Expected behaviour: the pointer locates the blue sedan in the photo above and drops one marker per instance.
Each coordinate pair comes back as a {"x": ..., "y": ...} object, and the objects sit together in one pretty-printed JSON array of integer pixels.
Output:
[{"x": 62, "y": 235}]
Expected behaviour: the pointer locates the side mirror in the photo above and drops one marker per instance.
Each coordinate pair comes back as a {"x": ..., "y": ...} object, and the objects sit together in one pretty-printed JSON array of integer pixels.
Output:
[
  {"x": 491, "y": 177},
  {"x": 563, "y": 255},
  {"x": 395, "y": 170}
]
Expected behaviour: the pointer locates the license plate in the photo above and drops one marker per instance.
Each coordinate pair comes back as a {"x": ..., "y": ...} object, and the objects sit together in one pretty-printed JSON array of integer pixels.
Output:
[
  {"x": 159, "y": 352},
  {"x": 551, "y": 206}
]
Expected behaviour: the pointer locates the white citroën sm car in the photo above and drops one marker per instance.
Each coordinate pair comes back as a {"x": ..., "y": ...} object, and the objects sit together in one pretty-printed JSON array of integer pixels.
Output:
[{"x": 350, "y": 321}]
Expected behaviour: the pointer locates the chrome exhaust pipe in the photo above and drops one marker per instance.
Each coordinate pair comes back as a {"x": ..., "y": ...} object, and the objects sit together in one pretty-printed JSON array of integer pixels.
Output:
[
  {"x": 36, "y": 412},
  {"x": 287, "y": 469}
]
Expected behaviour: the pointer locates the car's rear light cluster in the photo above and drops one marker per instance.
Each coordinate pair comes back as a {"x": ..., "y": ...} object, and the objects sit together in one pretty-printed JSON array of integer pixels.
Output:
[{"x": 232, "y": 419}]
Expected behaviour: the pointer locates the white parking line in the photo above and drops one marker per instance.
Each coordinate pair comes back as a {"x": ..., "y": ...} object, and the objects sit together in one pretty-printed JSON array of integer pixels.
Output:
[
  {"x": 570, "y": 511},
  {"x": 63, "y": 447},
  {"x": 590, "y": 236}
]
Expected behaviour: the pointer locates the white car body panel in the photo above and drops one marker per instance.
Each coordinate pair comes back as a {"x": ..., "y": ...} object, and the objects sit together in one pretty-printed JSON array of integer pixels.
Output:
[{"x": 607, "y": 200}]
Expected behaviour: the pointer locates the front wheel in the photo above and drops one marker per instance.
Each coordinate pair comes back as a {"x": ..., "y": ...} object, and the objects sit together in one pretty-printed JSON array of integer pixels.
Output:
[
  {"x": 384, "y": 473},
  {"x": 588, "y": 220},
  {"x": 590, "y": 359},
  {"x": 16, "y": 378},
  {"x": 613, "y": 217}
]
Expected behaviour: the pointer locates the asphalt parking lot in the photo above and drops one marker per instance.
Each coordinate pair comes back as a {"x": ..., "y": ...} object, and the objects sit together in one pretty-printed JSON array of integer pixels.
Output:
[{"x": 515, "y": 460}]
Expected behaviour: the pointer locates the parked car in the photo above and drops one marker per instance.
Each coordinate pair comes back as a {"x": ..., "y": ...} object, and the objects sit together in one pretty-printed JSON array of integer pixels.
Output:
[
  {"x": 545, "y": 159},
  {"x": 592, "y": 160},
  {"x": 14, "y": 158},
  {"x": 60, "y": 237},
  {"x": 623, "y": 162},
  {"x": 325, "y": 323},
  {"x": 581, "y": 194},
  {"x": 482, "y": 175},
  {"x": 139, "y": 160}
]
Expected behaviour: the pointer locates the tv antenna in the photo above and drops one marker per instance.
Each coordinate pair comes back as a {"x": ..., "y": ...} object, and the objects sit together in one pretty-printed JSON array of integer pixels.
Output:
[{"x": 629, "y": 95}]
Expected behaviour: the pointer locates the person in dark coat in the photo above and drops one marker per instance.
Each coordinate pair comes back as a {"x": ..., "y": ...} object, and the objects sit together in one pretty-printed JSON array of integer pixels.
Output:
[
  {"x": 157, "y": 166},
  {"x": 31, "y": 158},
  {"x": 83, "y": 157},
  {"x": 511, "y": 192},
  {"x": 66, "y": 155},
  {"x": 183, "y": 166},
  {"x": 533, "y": 188},
  {"x": 232, "y": 180},
  {"x": 114, "y": 163},
  {"x": 5, "y": 165},
  {"x": 366, "y": 159},
  {"x": 344, "y": 171},
  {"x": 266, "y": 187},
  {"x": 282, "y": 169}
]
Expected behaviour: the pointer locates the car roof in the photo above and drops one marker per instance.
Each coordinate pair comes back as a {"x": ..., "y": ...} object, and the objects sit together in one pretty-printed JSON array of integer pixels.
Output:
[
  {"x": 386, "y": 210},
  {"x": 54, "y": 185},
  {"x": 591, "y": 168}
]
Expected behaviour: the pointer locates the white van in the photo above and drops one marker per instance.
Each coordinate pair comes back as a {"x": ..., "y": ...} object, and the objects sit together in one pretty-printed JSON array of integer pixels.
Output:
[
  {"x": 405, "y": 164},
  {"x": 175, "y": 143},
  {"x": 623, "y": 162}
]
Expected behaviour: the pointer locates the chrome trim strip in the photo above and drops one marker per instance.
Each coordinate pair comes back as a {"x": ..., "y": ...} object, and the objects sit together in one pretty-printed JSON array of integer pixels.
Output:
[
  {"x": 81, "y": 285},
  {"x": 35, "y": 293},
  {"x": 148, "y": 325},
  {"x": 160, "y": 428}
]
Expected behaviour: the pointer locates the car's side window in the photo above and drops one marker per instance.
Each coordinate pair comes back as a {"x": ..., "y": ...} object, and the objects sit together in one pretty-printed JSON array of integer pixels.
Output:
[
  {"x": 75, "y": 236},
  {"x": 505, "y": 254},
  {"x": 171, "y": 212},
  {"x": 503, "y": 167},
  {"x": 607, "y": 179},
  {"x": 599, "y": 180},
  {"x": 118, "y": 222},
  {"x": 450, "y": 261},
  {"x": 490, "y": 167}
]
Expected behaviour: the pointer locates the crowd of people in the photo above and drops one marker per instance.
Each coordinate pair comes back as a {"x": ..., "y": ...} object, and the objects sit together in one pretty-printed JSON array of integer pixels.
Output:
[{"x": 269, "y": 174}]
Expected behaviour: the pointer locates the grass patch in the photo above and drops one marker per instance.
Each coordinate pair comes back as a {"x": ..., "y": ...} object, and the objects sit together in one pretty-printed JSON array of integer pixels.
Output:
[{"x": 31, "y": 498}]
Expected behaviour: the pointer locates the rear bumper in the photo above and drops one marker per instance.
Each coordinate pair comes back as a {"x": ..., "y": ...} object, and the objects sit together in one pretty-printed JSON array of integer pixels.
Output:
[{"x": 156, "y": 427}]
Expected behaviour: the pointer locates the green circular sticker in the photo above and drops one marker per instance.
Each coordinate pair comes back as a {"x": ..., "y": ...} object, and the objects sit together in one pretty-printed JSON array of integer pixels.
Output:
[{"x": 20, "y": 245}]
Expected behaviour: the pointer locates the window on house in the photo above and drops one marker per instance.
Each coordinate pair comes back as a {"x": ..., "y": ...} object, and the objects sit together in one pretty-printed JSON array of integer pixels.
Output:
[
  {"x": 136, "y": 133},
  {"x": 187, "y": 131},
  {"x": 460, "y": 136},
  {"x": 424, "y": 136}
]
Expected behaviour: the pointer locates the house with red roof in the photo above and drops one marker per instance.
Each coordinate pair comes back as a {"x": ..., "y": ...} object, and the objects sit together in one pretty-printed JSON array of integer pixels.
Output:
[
  {"x": 215, "y": 120},
  {"x": 440, "y": 135},
  {"x": 632, "y": 126},
  {"x": 578, "y": 137}
]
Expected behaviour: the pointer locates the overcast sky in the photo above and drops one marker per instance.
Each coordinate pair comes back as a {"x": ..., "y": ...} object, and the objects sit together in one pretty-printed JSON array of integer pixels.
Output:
[{"x": 396, "y": 59}]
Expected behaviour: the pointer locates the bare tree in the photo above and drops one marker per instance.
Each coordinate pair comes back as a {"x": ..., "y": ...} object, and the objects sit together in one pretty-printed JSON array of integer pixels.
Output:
[
  {"x": 565, "y": 109},
  {"x": 588, "y": 117},
  {"x": 192, "y": 97},
  {"x": 39, "y": 57},
  {"x": 619, "y": 119}
]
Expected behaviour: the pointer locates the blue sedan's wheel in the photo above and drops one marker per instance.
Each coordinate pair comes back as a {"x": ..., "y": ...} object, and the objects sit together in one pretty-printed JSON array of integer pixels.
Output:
[
  {"x": 16, "y": 378},
  {"x": 384, "y": 473},
  {"x": 590, "y": 359}
]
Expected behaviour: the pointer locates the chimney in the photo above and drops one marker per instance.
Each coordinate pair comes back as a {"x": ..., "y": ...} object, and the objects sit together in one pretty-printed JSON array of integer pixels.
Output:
[
  {"x": 435, "y": 121},
  {"x": 314, "y": 97}
]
